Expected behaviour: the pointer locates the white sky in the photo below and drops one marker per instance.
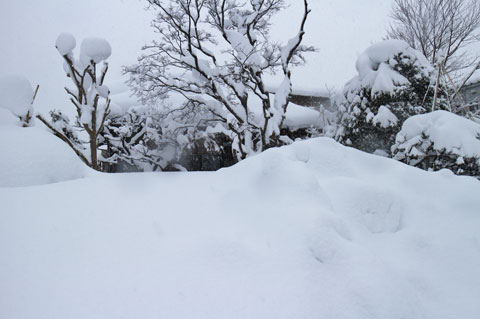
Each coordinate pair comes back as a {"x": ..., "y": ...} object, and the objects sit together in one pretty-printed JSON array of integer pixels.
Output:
[{"x": 340, "y": 29}]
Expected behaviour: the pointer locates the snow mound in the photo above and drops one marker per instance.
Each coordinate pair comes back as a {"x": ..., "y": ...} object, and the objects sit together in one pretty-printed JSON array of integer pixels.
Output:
[
  {"x": 379, "y": 210},
  {"x": 303, "y": 167},
  {"x": 96, "y": 49},
  {"x": 32, "y": 156},
  {"x": 446, "y": 131},
  {"x": 16, "y": 94},
  {"x": 310, "y": 230},
  {"x": 65, "y": 43}
]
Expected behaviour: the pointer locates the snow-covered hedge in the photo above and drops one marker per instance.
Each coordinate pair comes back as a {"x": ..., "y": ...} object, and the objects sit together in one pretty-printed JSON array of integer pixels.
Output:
[
  {"x": 393, "y": 83},
  {"x": 440, "y": 140}
]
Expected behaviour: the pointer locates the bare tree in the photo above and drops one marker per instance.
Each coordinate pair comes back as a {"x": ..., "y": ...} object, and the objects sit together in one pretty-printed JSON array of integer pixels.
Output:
[
  {"x": 440, "y": 29},
  {"x": 215, "y": 53}
]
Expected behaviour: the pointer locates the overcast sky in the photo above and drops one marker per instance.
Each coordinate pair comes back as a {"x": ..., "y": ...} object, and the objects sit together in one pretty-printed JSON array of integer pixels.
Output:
[{"x": 340, "y": 29}]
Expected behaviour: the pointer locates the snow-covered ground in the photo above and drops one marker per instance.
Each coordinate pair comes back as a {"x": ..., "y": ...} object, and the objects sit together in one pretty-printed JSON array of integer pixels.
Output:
[
  {"x": 33, "y": 156},
  {"x": 311, "y": 230}
]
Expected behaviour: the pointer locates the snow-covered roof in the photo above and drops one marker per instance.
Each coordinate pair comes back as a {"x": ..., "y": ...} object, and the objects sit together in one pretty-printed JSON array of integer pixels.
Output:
[
  {"x": 301, "y": 90},
  {"x": 302, "y": 117},
  {"x": 475, "y": 78}
]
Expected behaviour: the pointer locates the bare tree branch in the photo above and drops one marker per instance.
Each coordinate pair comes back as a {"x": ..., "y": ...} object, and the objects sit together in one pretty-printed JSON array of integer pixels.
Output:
[
  {"x": 438, "y": 28},
  {"x": 184, "y": 61}
]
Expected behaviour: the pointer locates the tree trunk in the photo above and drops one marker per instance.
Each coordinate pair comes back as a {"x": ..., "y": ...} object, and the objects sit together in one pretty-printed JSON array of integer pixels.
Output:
[{"x": 93, "y": 140}]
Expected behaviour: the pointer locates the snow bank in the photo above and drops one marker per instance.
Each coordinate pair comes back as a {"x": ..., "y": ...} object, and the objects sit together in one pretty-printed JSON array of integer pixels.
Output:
[
  {"x": 311, "y": 230},
  {"x": 16, "y": 94},
  {"x": 32, "y": 156},
  {"x": 7, "y": 118},
  {"x": 446, "y": 131}
]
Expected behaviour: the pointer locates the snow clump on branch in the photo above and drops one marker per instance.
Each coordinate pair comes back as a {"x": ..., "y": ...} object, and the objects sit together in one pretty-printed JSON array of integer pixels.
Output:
[
  {"x": 94, "y": 49},
  {"x": 16, "y": 95},
  {"x": 65, "y": 43}
]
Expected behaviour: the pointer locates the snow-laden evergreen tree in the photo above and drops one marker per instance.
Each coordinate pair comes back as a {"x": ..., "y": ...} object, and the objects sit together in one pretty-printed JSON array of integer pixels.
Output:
[
  {"x": 89, "y": 96},
  {"x": 393, "y": 83},
  {"x": 439, "y": 140},
  {"x": 214, "y": 54}
]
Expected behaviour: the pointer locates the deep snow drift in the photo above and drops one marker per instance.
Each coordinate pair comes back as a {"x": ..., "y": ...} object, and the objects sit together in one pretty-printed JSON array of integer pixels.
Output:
[
  {"x": 33, "y": 156},
  {"x": 311, "y": 230}
]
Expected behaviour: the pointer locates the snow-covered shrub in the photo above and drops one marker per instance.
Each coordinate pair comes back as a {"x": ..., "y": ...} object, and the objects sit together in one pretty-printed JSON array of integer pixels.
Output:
[
  {"x": 440, "y": 140},
  {"x": 135, "y": 140},
  {"x": 393, "y": 83},
  {"x": 89, "y": 96},
  {"x": 61, "y": 123},
  {"x": 16, "y": 95},
  {"x": 149, "y": 138}
]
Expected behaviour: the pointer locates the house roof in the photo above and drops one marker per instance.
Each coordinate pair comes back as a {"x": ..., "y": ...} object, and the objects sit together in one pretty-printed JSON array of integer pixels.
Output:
[{"x": 475, "y": 78}]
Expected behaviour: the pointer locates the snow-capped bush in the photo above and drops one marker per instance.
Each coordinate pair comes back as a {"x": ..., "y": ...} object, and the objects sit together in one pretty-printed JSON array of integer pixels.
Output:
[
  {"x": 393, "y": 83},
  {"x": 440, "y": 140},
  {"x": 90, "y": 96},
  {"x": 16, "y": 95},
  {"x": 94, "y": 49},
  {"x": 134, "y": 140},
  {"x": 65, "y": 43}
]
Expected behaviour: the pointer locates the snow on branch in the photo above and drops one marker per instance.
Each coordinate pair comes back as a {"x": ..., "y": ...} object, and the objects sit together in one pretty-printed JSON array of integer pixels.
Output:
[
  {"x": 228, "y": 84},
  {"x": 90, "y": 96}
]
